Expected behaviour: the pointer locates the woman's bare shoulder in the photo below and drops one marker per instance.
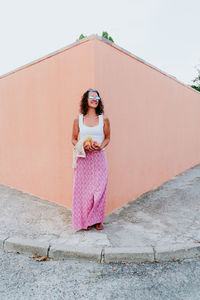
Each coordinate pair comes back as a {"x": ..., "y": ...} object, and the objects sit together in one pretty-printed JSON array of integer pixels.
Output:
[{"x": 76, "y": 119}]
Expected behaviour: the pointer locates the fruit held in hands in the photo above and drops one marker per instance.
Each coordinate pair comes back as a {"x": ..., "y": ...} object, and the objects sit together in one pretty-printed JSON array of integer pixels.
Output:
[
  {"x": 89, "y": 142},
  {"x": 89, "y": 139}
]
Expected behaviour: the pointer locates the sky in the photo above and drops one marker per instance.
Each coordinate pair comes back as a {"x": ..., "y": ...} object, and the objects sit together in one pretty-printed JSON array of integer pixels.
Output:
[{"x": 165, "y": 33}]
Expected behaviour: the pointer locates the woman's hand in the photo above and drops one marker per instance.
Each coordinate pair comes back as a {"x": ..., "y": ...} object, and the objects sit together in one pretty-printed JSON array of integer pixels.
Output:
[
  {"x": 87, "y": 146},
  {"x": 91, "y": 146},
  {"x": 96, "y": 146}
]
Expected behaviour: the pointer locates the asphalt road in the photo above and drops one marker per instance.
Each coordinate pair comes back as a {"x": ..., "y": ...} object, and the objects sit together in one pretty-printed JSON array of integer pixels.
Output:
[{"x": 22, "y": 277}]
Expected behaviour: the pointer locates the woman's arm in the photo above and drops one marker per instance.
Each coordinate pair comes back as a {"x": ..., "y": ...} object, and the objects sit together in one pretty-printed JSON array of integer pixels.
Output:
[
  {"x": 106, "y": 133},
  {"x": 75, "y": 131}
]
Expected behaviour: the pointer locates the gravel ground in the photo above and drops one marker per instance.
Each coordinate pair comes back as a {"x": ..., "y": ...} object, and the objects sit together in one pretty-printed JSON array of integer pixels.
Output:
[{"x": 22, "y": 277}]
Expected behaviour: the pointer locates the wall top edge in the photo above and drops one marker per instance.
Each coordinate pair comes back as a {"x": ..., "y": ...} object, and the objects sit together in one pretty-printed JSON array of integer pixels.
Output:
[{"x": 91, "y": 37}]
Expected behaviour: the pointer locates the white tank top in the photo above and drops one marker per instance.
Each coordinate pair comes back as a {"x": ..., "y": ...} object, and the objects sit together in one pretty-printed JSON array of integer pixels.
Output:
[{"x": 96, "y": 132}]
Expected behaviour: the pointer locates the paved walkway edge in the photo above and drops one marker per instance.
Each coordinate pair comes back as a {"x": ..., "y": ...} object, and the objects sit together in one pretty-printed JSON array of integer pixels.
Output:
[{"x": 100, "y": 254}]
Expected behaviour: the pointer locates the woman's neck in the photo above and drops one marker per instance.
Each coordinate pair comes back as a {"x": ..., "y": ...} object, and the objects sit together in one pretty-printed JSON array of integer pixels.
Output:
[{"x": 91, "y": 112}]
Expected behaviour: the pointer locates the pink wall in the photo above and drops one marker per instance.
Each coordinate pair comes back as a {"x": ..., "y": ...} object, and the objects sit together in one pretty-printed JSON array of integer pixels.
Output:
[
  {"x": 38, "y": 104},
  {"x": 154, "y": 122}
]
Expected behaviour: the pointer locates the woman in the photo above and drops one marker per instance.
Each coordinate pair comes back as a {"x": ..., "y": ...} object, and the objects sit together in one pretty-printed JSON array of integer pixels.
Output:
[{"x": 91, "y": 172}]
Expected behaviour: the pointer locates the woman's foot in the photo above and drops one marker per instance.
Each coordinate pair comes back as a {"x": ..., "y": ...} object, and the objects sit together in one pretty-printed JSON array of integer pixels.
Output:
[
  {"x": 89, "y": 227},
  {"x": 99, "y": 226}
]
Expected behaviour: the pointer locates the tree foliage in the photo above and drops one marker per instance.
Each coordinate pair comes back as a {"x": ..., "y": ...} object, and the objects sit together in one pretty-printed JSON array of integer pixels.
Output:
[
  {"x": 104, "y": 35},
  {"x": 81, "y": 36},
  {"x": 196, "y": 81}
]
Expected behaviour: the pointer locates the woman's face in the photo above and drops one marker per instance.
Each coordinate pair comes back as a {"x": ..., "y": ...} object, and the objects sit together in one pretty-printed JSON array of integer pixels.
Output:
[{"x": 93, "y": 102}]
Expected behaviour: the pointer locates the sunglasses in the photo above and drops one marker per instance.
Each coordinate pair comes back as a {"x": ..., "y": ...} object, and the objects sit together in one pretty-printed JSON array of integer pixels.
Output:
[{"x": 92, "y": 97}]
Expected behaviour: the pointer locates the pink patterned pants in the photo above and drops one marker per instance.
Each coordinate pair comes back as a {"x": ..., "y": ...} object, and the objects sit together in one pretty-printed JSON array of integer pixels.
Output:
[{"x": 89, "y": 189}]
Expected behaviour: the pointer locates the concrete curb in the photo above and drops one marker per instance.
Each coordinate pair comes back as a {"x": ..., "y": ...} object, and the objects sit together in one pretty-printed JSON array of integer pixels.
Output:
[
  {"x": 128, "y": 254},
  {"x": 76, "y": 252},
  {"x": 24, "y": 246},
  {"x": 177, "y": 253},
  {"x": 101, "y": 254}
]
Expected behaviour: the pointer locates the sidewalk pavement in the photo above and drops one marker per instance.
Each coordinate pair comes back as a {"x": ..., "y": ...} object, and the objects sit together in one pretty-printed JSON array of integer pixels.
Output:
[{"x": 160, "y": 225}]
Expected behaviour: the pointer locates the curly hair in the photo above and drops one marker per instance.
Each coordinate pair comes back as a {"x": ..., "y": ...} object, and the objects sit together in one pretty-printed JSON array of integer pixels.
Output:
[{"x": 84, "y": 103}]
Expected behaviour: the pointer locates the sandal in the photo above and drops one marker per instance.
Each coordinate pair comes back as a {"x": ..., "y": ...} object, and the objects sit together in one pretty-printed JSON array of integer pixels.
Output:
[
  {"x": 99, "y": 226},
  {"x": 89, "y": 227}
]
